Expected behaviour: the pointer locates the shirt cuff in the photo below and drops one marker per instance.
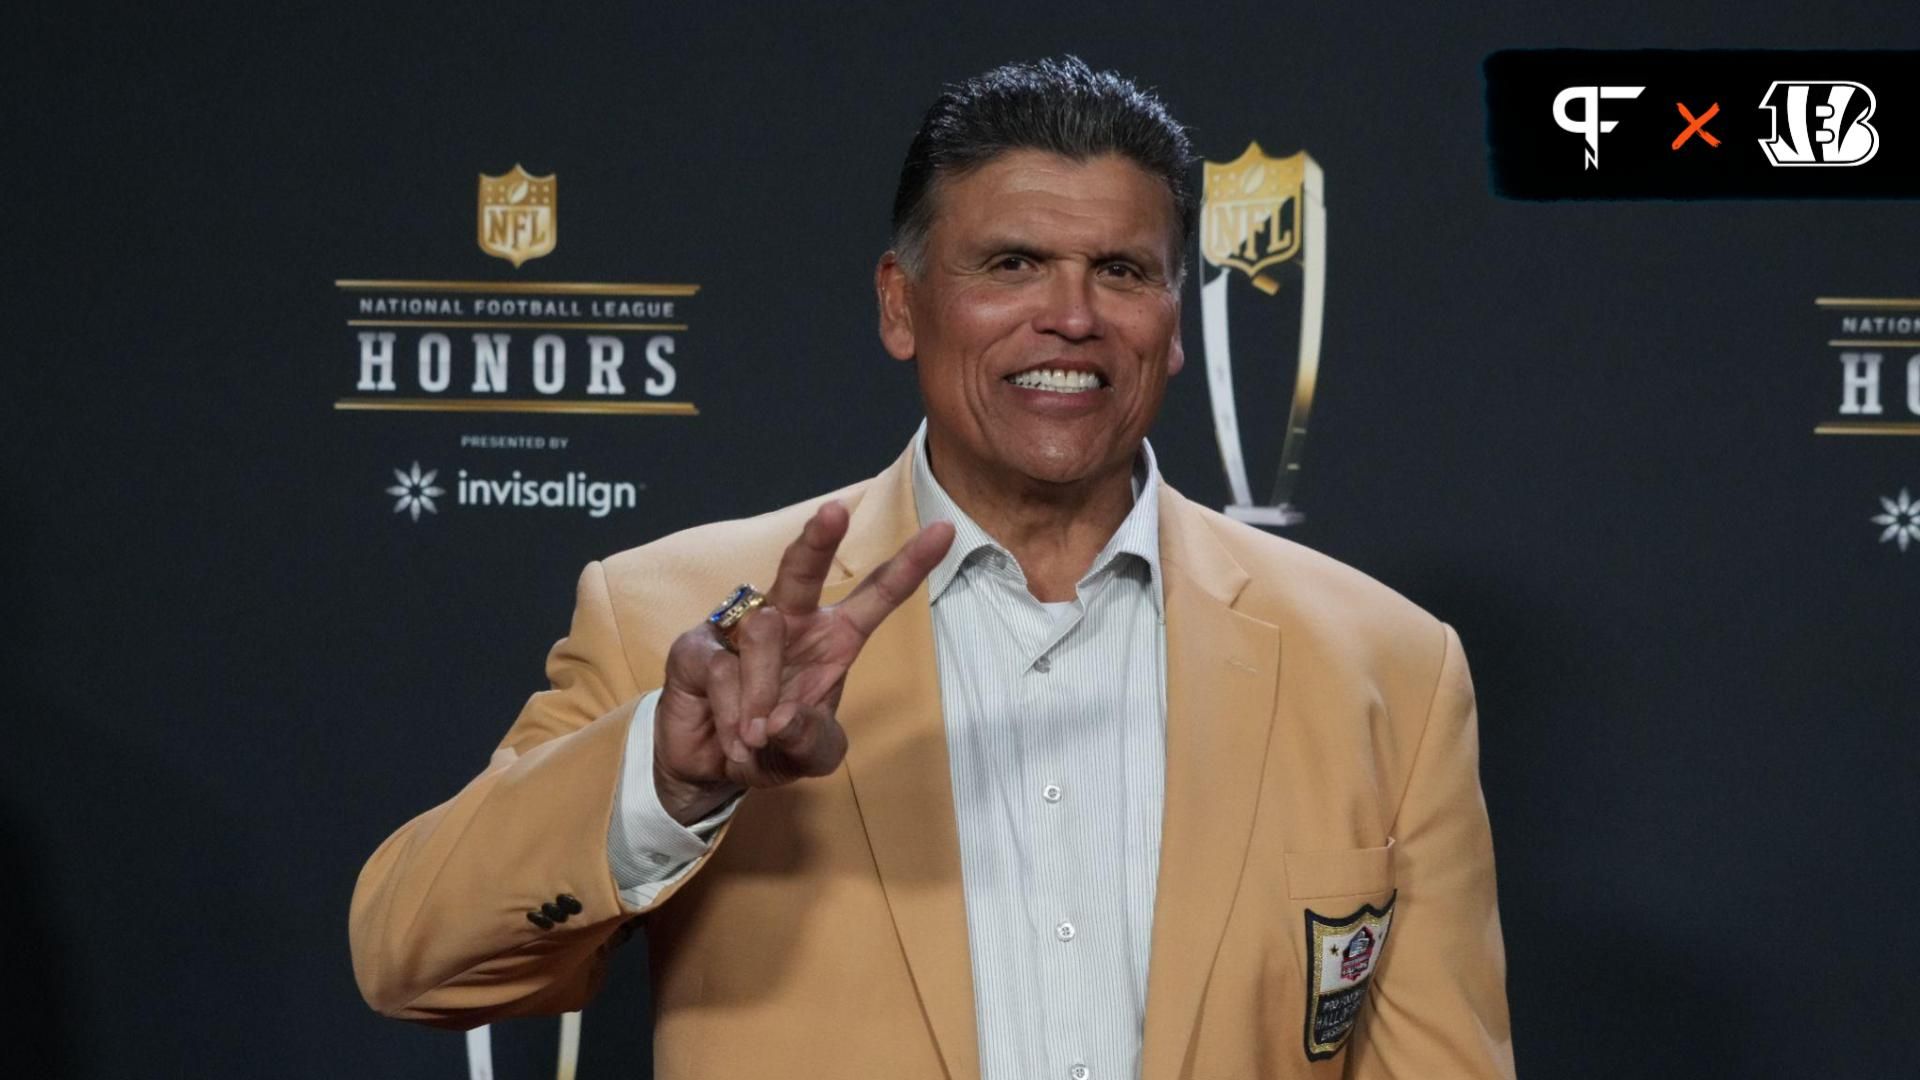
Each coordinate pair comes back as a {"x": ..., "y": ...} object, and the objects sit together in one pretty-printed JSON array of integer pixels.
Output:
[{"x": 647, "y": 849}]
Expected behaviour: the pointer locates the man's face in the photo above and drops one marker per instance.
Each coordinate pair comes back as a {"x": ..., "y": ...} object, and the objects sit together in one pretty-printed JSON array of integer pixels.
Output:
[{"x": 1045, "y": 320}]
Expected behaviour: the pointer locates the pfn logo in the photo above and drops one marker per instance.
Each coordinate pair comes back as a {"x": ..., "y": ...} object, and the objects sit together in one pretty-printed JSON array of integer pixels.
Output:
[
  {"x": 1588, "y": 123},
  {"x": 1826, "y": 124}
]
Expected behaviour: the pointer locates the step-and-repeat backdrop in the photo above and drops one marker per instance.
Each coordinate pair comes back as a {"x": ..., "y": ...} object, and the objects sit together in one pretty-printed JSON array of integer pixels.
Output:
[{"x": 340, "y": 338}]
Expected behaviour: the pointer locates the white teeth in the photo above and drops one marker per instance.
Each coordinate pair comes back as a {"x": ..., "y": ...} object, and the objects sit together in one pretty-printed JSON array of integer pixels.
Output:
[{"x": 1064, "y": 382}]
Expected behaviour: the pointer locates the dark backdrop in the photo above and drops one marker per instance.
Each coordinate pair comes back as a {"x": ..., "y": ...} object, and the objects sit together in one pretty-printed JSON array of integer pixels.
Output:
[{"x": 1582, "y": 433}]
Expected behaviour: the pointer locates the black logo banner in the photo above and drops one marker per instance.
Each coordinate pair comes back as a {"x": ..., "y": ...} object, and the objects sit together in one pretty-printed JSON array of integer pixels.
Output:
[{"x": 1669, "y": 124}]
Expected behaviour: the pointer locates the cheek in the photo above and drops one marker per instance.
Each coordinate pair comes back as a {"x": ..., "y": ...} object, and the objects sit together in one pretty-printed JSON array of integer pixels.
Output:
[
  {"x": 1151, "y": 333},
  {"x": 973, "y": 320}
]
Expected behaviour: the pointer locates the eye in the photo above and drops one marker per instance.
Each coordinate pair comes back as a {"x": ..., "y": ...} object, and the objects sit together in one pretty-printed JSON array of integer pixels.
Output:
[
  {"x": 1012, "y": 263},
  {"x": 1124, "y": 271}
]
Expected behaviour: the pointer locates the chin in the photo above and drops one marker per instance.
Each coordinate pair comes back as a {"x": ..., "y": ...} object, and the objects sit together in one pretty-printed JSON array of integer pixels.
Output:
[{"x": 1058, "y": 465}]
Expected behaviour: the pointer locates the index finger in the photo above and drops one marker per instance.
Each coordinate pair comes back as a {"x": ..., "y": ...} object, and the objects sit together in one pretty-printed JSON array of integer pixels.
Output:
[
  {"x": 894, "y": 580},
  {"x": 804, "y": 565}
]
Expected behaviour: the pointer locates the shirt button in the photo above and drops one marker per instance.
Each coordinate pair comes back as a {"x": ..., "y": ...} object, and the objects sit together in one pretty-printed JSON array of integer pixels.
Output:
[
  {"x": 1064, "y": 931},
  {"x": 658, "y": 858},
  {"x": 1051, "y": 793},
  {"x": 1079, "y": 1072},
  {"x": 1043, "y": 665}
]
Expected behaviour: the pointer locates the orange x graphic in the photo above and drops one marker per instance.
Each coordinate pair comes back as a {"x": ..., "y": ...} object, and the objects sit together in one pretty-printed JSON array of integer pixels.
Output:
[{"x": 1698, "y": 125}]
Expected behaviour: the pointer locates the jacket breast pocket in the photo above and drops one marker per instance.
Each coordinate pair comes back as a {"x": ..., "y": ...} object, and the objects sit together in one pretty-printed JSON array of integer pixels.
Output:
[
  {"x": 1344, "y": 900},
  {"x": 1343, "y": 872}
]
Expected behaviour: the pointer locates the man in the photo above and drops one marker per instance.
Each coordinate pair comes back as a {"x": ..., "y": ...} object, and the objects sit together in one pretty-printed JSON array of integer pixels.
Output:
[{"x": 1023, "y": 765}]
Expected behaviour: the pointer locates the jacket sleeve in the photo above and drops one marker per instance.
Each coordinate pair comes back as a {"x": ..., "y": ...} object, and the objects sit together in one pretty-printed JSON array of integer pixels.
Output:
[
  {"x": 1439, "y": 1001},
  {"x": 439, "y": 924}
]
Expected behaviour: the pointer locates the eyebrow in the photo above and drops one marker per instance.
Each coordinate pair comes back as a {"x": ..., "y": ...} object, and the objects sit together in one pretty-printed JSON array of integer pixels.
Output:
[{"x": 994, "y": 245}]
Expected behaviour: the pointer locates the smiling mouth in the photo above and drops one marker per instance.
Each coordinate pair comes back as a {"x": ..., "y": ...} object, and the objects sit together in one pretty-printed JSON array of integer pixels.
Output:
[{"x": 1058, "y": 380}]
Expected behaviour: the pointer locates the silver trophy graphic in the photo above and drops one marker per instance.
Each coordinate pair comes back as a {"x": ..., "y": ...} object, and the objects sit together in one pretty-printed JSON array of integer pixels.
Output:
[{"x": 1257, "y": 212}]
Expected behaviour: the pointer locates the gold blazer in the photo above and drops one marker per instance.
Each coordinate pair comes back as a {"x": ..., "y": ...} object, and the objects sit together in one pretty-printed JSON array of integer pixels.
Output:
[{"x": 1322, "y": 776}]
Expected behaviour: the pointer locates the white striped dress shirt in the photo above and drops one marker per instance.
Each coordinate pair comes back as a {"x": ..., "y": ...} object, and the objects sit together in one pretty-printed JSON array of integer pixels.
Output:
[{"x": 1055, "y": 719}]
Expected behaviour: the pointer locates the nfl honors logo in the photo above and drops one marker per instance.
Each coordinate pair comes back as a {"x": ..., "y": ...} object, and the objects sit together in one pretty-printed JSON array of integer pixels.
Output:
[
  {"x": 517, "y": 215},
  {"x": 1341, "y": 957}
]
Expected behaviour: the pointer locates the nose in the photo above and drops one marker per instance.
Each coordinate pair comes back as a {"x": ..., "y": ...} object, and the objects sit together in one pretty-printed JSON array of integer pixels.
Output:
[{"x": 1067, "y": 305}]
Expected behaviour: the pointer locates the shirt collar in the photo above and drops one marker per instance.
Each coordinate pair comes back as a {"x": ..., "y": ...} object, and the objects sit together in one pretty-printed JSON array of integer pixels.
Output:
[{"x": 1138, "y": 534}]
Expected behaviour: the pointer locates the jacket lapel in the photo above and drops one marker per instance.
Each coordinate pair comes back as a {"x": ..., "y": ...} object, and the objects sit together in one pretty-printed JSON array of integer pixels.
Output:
[
  {"x": 902, "y": 783},
  {"x": 1222, "y": 670}
]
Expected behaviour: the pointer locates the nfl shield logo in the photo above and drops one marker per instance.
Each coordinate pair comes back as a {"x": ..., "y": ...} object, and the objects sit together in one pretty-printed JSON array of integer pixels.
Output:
[
  {"x": 1250, "y": 216},
  {"x": 517, "y": 215}
]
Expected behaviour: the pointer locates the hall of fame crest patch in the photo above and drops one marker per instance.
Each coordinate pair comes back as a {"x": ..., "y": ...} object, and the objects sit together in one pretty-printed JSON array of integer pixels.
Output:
[{"x": 1341, "y": 957}]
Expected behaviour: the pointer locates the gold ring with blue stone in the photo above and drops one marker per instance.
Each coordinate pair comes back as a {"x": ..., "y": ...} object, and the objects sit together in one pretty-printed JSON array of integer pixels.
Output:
[{"x": 726, "y": 618}]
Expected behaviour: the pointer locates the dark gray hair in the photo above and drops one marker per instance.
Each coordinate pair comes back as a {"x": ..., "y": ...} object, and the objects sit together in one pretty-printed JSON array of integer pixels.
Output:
[{"x": 1061, "y": 106}]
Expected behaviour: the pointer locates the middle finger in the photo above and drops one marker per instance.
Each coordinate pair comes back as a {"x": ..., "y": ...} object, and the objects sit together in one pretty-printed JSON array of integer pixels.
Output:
[{"x": 806, "y": 561}]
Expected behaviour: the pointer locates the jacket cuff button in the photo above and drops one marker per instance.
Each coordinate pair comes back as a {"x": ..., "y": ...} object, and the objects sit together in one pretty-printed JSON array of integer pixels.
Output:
[{"x": 539, "y": 920}]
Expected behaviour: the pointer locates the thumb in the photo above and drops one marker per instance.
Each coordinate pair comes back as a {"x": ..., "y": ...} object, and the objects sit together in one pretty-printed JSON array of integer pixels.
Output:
[{"x": 808, "y": 737}]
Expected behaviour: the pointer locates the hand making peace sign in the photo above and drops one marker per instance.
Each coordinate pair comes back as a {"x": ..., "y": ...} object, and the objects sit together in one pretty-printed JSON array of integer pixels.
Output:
[{"x": 765, "y": 716}]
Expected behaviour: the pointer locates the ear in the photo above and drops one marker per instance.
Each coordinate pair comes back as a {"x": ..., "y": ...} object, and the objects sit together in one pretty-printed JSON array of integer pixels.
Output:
[
  {"x": 1176, "y": 352},
  {"x": 893, "y": 289}
]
